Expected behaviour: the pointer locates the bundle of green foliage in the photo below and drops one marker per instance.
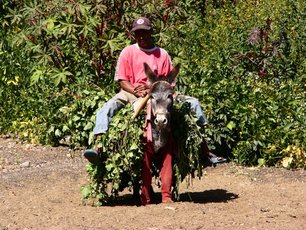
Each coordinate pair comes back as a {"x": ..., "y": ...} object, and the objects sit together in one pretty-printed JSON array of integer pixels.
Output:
[{"x": 122, "y": 155}]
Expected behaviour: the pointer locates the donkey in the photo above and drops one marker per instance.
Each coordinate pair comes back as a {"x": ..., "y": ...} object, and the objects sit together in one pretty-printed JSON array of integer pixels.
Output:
[{"x": 159, "y": 141}]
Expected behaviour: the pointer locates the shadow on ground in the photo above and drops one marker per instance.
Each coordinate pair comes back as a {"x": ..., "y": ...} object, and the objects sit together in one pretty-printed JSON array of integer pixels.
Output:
[{"x": 208, "y": 196}]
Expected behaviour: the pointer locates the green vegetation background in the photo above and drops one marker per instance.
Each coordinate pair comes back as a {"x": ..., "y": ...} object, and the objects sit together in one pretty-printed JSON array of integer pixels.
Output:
[{"x": 244, "y": 60}]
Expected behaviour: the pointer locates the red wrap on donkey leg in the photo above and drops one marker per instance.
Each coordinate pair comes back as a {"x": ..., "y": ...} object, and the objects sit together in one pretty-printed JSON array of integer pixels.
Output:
[{"x": 164, "y": 158}]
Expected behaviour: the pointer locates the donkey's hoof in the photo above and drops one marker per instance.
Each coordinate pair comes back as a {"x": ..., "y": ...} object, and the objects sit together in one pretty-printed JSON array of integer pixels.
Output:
[{"x": 167, "y": 201}]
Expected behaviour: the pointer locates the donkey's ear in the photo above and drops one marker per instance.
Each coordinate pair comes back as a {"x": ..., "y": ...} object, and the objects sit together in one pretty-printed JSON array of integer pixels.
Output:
[
  {"x": 150, "y": 74},
  {"x": 174, "y": 72}
]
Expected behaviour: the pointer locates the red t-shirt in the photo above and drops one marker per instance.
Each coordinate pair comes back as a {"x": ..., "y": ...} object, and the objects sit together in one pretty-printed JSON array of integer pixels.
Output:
[{"x": 130, "y": 63}]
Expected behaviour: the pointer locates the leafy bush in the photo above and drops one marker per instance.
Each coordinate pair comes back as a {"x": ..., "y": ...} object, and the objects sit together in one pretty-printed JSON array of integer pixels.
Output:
[
  {"x": 249, "y": 88},
  {"x": 244, "y": 60}
]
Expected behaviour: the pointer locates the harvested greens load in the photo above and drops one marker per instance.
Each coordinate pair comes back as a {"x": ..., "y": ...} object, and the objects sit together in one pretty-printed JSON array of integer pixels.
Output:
[{"x": 122, "y": 154}]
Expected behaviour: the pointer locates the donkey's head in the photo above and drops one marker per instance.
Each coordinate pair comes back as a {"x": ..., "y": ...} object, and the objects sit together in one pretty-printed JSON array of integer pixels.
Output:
[{"x": 161, "y": 95}]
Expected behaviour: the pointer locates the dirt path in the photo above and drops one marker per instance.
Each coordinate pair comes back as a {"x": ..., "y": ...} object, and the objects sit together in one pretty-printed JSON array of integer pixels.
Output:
[{"x": 40, "y": 189}]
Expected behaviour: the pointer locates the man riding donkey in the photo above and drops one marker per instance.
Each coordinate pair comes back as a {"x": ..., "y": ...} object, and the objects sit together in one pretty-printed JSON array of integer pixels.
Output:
[{"x": 130, "y": 73}]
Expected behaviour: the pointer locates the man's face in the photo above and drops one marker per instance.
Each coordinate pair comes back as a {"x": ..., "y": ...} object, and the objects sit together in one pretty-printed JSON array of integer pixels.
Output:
[{"x": 144, "y": 38}]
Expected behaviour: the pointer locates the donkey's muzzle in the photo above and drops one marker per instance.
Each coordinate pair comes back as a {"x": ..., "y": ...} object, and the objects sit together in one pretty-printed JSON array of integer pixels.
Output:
[{"x": 161, "y": 120}]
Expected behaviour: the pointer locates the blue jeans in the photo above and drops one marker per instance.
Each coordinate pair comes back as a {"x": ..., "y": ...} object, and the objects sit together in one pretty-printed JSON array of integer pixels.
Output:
[{"x": 110, "y": 108}]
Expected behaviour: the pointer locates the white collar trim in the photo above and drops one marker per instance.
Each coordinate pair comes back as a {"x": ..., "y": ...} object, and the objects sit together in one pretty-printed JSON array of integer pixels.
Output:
[{"x": 146, "y": 50}]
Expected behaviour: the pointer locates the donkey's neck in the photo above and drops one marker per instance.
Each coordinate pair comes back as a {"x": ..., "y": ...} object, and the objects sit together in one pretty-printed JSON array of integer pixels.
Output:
[{"x": 160, "y": 137}]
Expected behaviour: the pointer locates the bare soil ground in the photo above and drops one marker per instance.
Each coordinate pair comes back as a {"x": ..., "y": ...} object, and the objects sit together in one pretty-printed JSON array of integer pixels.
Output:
[{"x": 40, "y": 189}]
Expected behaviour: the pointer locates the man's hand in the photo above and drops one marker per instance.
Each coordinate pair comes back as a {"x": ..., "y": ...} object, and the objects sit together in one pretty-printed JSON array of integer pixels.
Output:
[{"x": 140, "y": 91}]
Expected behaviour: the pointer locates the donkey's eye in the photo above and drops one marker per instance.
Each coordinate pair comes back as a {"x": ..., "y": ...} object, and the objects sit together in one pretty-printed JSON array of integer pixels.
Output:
[{"x": 169, "y": 96}]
